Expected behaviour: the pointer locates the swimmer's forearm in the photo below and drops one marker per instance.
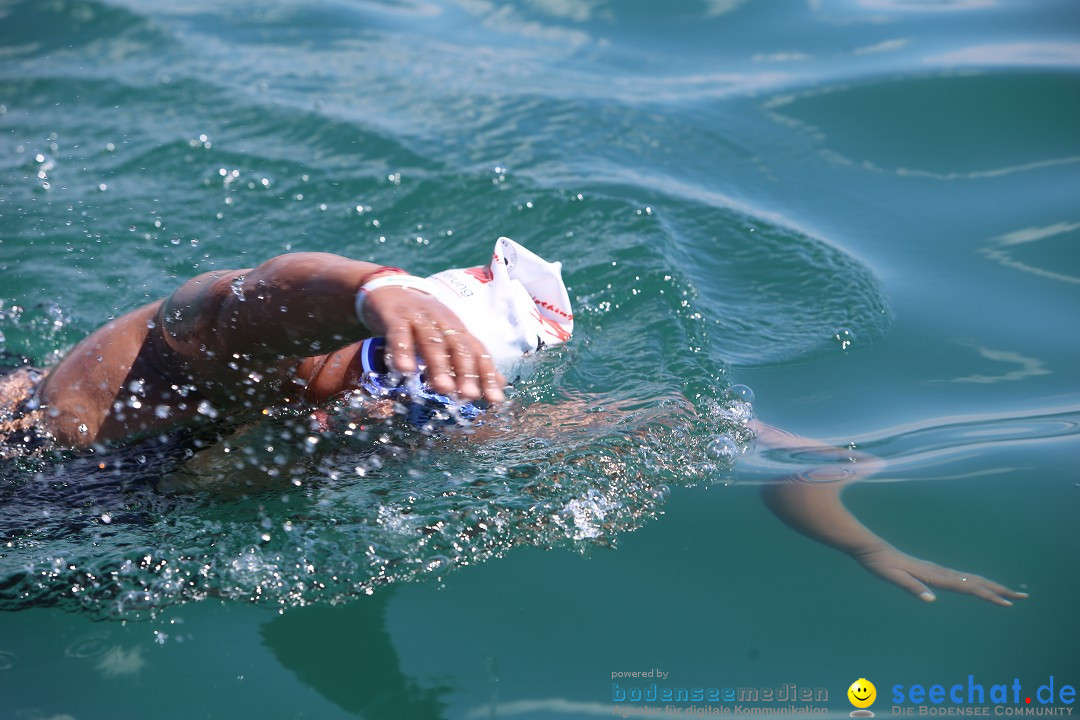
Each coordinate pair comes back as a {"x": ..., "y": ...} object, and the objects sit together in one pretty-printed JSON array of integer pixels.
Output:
[
  {"x": 815, "y": 510},
  {"x": 292, "y": 305},
  {"x": 810, "y": 502}
]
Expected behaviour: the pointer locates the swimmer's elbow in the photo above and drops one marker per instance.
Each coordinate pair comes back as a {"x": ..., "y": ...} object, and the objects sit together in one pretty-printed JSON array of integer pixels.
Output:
[
  {"x": 73, "y": 428},
  {"x": 188, "y": 317}
]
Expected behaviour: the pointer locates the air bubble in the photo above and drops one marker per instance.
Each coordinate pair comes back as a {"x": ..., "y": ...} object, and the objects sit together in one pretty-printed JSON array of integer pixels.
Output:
[
  {"x": 742, "y": 393},
  {"x": 721, "y": 448}
]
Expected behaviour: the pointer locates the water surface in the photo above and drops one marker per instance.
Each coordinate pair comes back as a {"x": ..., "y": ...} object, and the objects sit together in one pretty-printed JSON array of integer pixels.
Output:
[{"x": 864, "y": 210}]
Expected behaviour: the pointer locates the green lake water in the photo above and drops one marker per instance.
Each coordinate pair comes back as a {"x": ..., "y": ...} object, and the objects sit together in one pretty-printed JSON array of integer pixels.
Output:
[{"x": 867, "y": 211}]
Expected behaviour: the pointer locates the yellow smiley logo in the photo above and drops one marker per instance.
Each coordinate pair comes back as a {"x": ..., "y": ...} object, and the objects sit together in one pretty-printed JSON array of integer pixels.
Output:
[{"x": 862, "y": 693}]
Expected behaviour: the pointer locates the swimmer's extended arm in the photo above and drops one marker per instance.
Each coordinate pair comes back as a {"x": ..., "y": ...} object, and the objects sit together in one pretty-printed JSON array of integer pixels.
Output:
[
  {"x": 810, "y": 503},
  {"x": 231, "y": 336},
  {"x": 302, "y": 304}
]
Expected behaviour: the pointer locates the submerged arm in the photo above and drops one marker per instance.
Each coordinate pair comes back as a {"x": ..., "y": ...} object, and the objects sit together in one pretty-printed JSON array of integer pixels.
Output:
[{"x": 810, "y": 503}]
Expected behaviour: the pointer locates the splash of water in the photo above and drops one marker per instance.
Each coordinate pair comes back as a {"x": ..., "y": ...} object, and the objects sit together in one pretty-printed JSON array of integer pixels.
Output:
[{"x": 265, "y": 515}]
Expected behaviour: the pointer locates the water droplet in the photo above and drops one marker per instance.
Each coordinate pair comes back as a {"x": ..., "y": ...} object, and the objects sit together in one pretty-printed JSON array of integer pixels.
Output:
[{"x": 238, "y": 288}]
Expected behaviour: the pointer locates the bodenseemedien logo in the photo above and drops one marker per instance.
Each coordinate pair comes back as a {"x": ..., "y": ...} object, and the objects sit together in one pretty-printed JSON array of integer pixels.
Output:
[{"x": 862, "y": 694}]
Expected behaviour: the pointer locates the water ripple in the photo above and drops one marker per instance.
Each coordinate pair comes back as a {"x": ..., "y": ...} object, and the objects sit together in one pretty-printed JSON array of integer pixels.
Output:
[{"x": 935, "y": 443}]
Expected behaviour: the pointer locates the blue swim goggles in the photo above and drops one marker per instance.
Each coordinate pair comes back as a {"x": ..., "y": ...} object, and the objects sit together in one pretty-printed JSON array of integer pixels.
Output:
[{"x": 423, "y": 406}]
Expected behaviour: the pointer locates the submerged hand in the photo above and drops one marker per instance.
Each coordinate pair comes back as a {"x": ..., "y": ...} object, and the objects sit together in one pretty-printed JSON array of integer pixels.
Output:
[
  {"x": 915, "y": 576},
  {"x": 416, "y": 324}
]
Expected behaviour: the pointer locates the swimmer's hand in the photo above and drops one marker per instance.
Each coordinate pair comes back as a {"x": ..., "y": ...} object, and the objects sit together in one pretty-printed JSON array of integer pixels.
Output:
[
  {"x": 809, "y": 502},
  {"x": 918, "y": 576},
  {"x": 416, "y": 324}
]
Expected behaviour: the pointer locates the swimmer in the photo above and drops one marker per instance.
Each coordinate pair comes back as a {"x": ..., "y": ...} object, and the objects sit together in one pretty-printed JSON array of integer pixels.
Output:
[
  {"x": 230, "y": 343},
  {"x": 236, "y": 341}
]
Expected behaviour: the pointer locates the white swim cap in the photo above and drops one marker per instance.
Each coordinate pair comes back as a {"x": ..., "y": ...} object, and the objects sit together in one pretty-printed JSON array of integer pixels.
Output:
[{"x": 515, "y": 305}]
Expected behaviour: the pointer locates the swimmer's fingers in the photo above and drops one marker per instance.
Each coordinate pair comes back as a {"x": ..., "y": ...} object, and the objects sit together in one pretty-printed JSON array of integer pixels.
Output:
[
  {"x": 472, "y": 367},
  {"x": 394, "y": 313},
  {"x": 1004, "y": 591},
  {"x": 416, "y": 325},
  {"x": 433, "y": 339},
  {"x": 462, "y": 357},
  {"x": 400, "y": 348},
  {"x": 975, "y": 585},
  {"x": 908, "y": 582},
  {"x": 890, "y": 564},
  {"x": 916, "y": 576},
  {"x": 456, "y": 361},
  {"x": 492, "y": 380}
]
